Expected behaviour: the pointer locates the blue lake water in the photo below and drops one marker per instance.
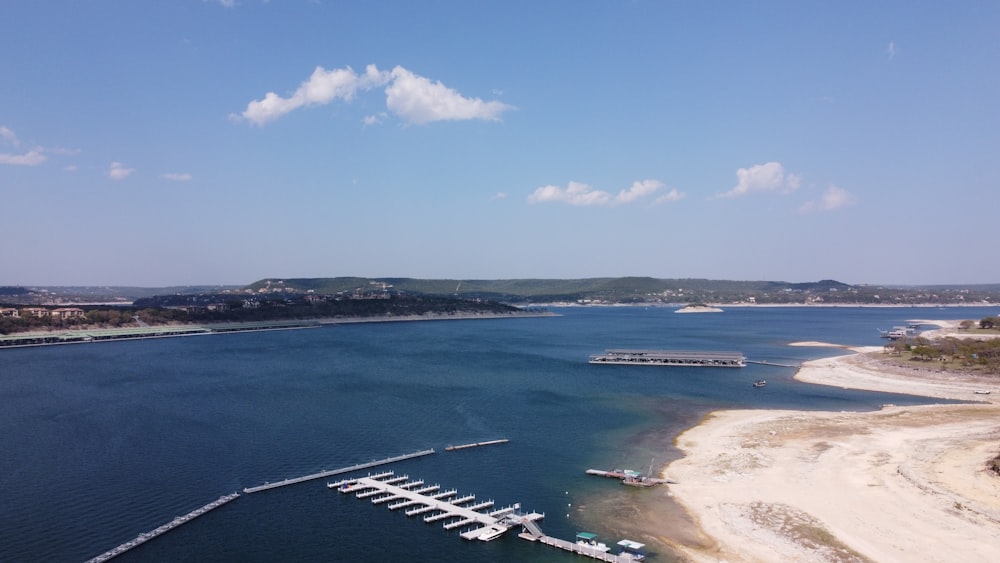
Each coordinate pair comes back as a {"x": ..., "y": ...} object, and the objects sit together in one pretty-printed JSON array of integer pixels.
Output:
[{"x": 103, "y": 441}]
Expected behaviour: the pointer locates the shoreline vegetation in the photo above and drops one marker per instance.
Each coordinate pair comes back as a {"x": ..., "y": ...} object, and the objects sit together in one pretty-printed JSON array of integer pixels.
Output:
[{"x": 897, "y": 484}]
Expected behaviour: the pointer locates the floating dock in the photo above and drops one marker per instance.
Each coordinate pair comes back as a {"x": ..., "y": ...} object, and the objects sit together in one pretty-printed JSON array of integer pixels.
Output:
[
  {"x": 332, "y": 472},
  {"x": 674, "y": 358},
  {"x": 629, "y": 477},
  {"x": 453, "y": 514},
  {"x": 145, "y": 537},
  {"x": 476, "y": 444}
]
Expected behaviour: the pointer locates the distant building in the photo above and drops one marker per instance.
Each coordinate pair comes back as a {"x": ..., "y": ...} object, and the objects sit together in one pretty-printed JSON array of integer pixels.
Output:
[
  {"x": 67, "y": 313},
  {"x": 34, "y": 312},
  {"x": 9, "y": 313}
]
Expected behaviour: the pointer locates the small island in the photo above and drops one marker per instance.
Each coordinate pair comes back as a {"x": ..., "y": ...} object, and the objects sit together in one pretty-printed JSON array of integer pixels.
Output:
[{"x": 699, "y": 308}]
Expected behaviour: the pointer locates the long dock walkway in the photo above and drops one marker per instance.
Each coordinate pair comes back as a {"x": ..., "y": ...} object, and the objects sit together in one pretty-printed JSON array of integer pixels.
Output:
[
  {"x": 332, "y": 472},
  {"x": 145, "y": 537}
]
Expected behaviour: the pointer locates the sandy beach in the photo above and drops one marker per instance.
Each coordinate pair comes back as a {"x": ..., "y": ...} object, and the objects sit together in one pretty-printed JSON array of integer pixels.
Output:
[{"x": 899, "y": 484}]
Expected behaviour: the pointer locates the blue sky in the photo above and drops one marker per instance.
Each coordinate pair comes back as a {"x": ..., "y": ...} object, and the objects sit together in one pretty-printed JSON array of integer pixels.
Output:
[{"x": 220, "y": 142}]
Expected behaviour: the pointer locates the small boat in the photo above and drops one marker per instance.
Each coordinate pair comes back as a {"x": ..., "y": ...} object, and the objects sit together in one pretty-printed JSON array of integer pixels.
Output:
[
  {"x": 491, "y": 533},
  {"x": 589, "y": 540},
  {"x": 634, "y": 550},
  {"x": 982, "y": 392},
  {"x": 759, "y": 383}
]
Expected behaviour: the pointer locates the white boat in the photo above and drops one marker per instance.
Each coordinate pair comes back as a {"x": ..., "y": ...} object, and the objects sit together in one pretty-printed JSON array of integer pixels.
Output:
[
  {"x": 634, "y": 550},
  {"x": 491, "y": 533},
  {"x": 759, "y": 383},
  {"x": 589, "y": 541}
]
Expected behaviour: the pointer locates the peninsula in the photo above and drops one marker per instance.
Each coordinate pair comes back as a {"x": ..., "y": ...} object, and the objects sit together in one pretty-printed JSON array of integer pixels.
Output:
[{"x": 899, "y": 484}]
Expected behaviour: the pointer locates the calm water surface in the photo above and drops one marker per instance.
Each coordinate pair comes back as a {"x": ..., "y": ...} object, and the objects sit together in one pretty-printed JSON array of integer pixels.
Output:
[{"x": 104, "y": 441}]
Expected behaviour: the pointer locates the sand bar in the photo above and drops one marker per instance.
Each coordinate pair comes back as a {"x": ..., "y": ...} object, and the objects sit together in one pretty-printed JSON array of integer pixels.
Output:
[{"x": 900, "y": 484}]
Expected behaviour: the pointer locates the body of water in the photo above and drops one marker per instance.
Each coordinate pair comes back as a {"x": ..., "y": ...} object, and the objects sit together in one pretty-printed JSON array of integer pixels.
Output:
[{"x": 103, "y": 441}]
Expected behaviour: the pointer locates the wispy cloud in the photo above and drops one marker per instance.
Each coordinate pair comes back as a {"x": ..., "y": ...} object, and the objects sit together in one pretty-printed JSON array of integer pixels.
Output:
[
  {"x": 30, "y": 158},
  {"x": 576, "y": 193},
  {"x": 499, "y": 195},
  {"x": 223, "y": 3},
  {"x": 177, "y": 176},
  {"x": 118, "y": 171},
  {"x": 759, "y": 178},
  {"x": 9, "y": 137},
  {"x": 833, "y": 198},
  {"x": 890, "y": 51},
  {"x": 33, "y": 157},
  {"x": 411, "y": 97},
  {"x": 671, "y": 196}
]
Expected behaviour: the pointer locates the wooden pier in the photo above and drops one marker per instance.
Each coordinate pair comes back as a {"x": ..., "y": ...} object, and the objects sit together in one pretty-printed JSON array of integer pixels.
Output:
[
  {"x": 332, "y": 472},
  {"x": 145, "y": 537}
]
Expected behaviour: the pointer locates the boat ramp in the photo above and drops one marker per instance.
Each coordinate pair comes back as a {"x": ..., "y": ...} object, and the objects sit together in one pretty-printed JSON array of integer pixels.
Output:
[{"x": 672, "y": 358}]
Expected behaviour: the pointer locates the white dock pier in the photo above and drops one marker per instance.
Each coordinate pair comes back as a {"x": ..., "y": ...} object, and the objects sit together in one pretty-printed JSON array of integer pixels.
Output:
[
  {"x": 435, "y": 506},
  {"x": 323, "y": 474},
  {"x": 145, "y": 537},
  {"x": 487, "y": 526}
]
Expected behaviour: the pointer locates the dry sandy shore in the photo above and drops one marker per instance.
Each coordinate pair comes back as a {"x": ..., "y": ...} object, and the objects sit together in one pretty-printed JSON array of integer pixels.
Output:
[{"x": 900, "y": 484}]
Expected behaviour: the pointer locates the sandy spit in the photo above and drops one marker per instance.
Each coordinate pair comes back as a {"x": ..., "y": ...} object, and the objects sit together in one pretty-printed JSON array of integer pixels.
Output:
[{"x": 899, "y": 484}]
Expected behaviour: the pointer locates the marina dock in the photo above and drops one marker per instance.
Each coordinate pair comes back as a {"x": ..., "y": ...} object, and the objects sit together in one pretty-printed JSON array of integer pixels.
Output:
[
  {"x": 145, "y": 537},
  {"x": 629, "y": 477},
  {"x": 332, "y": 472},
  {"x": 672, "y": 358},
  {"x": 453, "y": 514}
]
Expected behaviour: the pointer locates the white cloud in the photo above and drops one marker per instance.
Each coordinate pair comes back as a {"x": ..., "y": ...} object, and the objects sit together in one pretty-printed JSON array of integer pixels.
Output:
[
  {"x": 322, "y": 87},
  {"x": 576, "y": 193},
  {"x": 890, "y": 51},
  {"x": 224, "y": 3},
  {"x": 671, "y": 196},
  {"x": 118, "y": 171},
  {"x": 418, "y": 100},
  {"x": 833, "y": 198},
  {"x": 9, "y": 137},
  {"x": 177, "y": 176},
  {"x": 376, "y": 119},
  {"x": 769, "y": 177},
  {"x": 34, "y": 157},
  {"x": 411, "y": 97},
  {"x": 30, "y": 158},
  {"x": 499, "y": 195}
]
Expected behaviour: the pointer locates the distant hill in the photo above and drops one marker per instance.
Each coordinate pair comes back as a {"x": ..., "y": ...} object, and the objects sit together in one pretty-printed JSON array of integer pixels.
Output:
[
  {"x": 638, "y": 290},
  {"x": 536, "y": 290}
]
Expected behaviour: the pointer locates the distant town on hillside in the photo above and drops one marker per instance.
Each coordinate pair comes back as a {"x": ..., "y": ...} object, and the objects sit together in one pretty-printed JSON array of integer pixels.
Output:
[{"x": 586, "y": 291}]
